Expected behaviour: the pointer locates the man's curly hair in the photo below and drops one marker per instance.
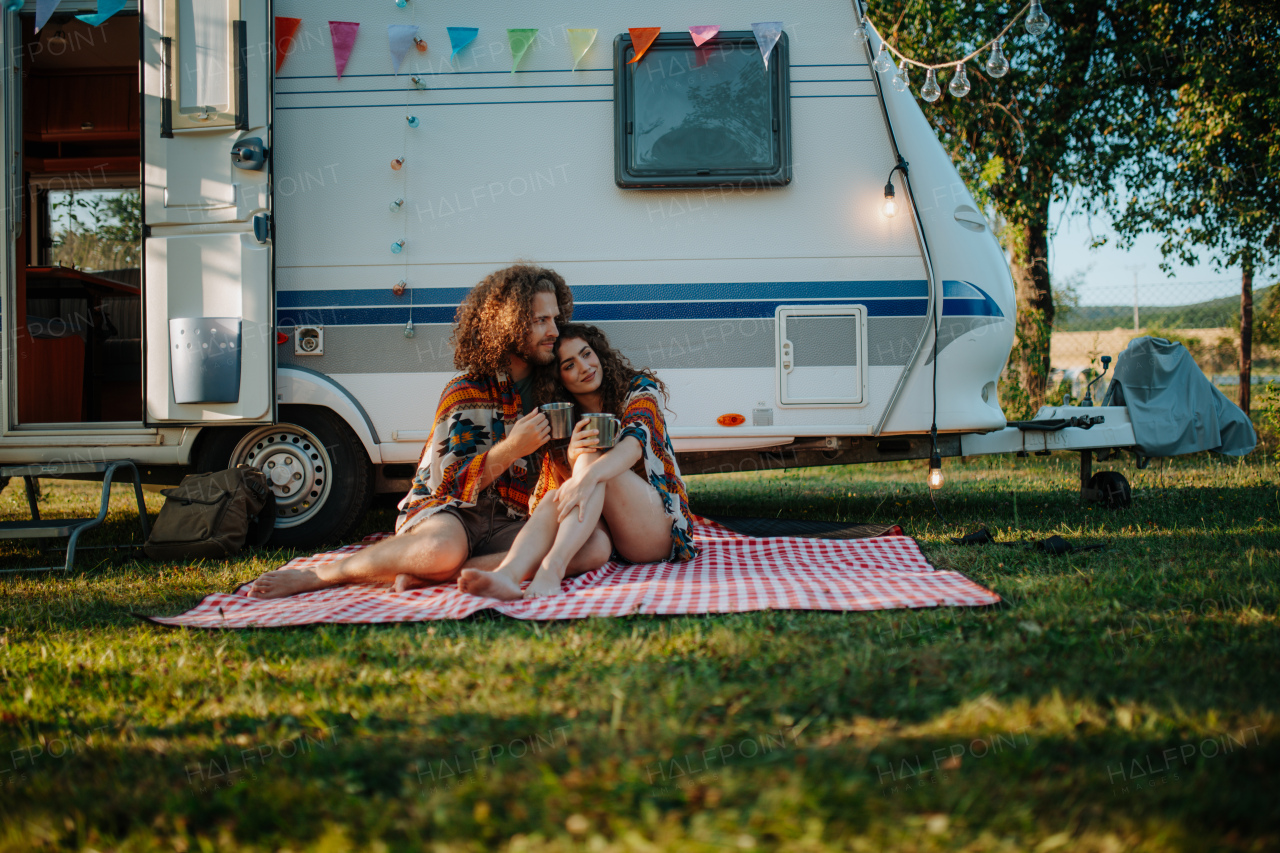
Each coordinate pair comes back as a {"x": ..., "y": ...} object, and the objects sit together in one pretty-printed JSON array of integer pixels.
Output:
[
  {"x": 616, "y": 371},
  {"x": 493, "y": 320}
]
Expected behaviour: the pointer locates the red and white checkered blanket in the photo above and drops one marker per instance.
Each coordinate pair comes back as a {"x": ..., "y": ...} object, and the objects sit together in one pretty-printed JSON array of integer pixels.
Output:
[{"x": 734, "y": 573}]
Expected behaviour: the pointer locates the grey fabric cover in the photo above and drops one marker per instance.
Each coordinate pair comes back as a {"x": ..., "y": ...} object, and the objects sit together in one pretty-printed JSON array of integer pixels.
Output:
[{"x": 1174, "y": 407}]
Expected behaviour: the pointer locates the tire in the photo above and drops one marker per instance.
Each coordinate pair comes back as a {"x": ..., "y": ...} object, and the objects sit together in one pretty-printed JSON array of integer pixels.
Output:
[
  {"x": 1112, "y": 489},
  {"x": 319, "y": 472}
]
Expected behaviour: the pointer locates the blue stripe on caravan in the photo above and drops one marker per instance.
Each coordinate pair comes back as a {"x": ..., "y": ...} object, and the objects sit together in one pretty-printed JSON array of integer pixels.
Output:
[
  {"x": 970, "y": 308},
  {"x": 906, "y": 288}
]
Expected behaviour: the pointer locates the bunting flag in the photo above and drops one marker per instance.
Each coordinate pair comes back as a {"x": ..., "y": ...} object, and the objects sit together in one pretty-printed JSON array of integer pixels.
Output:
[
  {"x": 767, "y": 35},
  {"x": 401, "y": 38},
  {"x": 642, "y": 39},
  {"x": 106, "y": 8},
  {"x": 460, "y": 37},
  {"x": 702, "y": 35},
  {"x": 344, "y": 39},
  {"x": 44, "y": 10},
  {"x": 285, "y": 28},
  {"x": 580, "y": 42},
  {"x": 520, "y": 41}
]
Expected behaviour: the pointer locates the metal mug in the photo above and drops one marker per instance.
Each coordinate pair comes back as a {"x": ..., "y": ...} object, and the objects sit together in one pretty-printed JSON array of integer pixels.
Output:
[
  {"x": 607, "y": 426},
  {"x": 560, "y": 417}
]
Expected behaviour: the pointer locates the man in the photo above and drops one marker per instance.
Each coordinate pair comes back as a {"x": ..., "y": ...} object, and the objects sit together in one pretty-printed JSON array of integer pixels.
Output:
[{"x": 471, "y": 494}]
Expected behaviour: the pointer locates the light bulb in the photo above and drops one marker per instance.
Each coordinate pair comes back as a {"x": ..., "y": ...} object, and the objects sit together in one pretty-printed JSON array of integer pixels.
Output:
[
  {"x": 400, "y": 4},
  {"x": 399, "y": 287},
  {"x": 884, "y": 61},
  {"x": 1037, "y": 21},
  {"x": 901, "y": 81},
  {"x": 396, "y": 205},
  {"x": 14, "y": 5},
  {"x": 997, "y": 65},
  {"x": 931, "y": 91},
  {"x": 413, "y": 120},
  {"x": 935, "y": 477},
  {"x": 397, "y": 247},
  {"x": 890, "y": 206},
  {"x": 959, "y": 83},
  {"x": 417, "y": 82},
  {"x": 409, "y": 331},
  {"x": 397, "y": 164},
  {"x": 420, "y": 44},
  {"x": 860, "y": 36}
]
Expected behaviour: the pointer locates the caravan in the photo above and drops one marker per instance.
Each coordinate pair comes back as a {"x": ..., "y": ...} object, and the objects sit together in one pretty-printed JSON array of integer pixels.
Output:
[{"x": 310, "y": 219}]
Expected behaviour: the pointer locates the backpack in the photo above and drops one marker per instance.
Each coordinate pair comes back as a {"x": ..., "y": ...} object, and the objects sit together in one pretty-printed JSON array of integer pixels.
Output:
[{"x": 213, "y": 515}]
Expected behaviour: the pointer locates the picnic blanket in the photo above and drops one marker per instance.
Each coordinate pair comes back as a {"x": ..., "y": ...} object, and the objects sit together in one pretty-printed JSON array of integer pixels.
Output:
[{"x": 732, "y": 574}]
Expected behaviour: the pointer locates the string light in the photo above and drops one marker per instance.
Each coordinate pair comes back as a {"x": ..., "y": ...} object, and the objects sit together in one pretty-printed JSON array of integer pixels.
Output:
[
  {"x": 997, "y": 65},
  {"x": 396, "y": 205},
  {"x": 413, "y": 120},
  {"x": 860, "y": 36},
  {"x": 399, "y": 287},
  {"x": 890, "y": 208},
  {"x": 397, "y": 164},
  {"x": 417, "y": 82},
  {"x": 901, "y": 81},
  {"x": 930, "y": 91},
  {"x": 884, "y": 60},
  {"x": 959, "y": 83},
  {"x": 935, "y": 478},
  {"x": 420, "y": 44},
  {"x": 397, "y": 247},
  {"x": 1037, "y": 21}
]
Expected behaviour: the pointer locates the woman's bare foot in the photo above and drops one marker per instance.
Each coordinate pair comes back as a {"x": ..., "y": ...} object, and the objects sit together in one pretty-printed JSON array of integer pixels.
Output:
[
  {"x": 545, "y": 582},
  {"x": 406, "y": 582},
  {"x": 488, "y": 584},
  {"x": 283, "y": 583}
]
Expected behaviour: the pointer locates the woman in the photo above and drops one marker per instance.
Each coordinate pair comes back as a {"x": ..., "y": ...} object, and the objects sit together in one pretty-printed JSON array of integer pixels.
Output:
[{"x": 632, "y": 491}]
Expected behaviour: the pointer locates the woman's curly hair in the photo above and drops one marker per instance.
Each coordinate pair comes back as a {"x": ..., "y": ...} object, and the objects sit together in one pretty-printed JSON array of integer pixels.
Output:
[
  {"x": 616, "y": 371},
  {"x": 493, "y": 320}
]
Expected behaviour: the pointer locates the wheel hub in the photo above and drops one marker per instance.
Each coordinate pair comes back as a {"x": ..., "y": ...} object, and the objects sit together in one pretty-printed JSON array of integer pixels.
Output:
[{"x": 295, "y": 464}]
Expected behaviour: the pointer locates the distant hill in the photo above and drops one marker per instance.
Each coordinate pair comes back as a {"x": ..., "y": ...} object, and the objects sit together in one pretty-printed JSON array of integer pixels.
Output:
[{"x": 1212, "y": 314}]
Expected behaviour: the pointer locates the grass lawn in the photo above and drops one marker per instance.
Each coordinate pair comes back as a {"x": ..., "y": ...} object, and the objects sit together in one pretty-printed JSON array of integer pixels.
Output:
[{"x": 1117, "y": 700}]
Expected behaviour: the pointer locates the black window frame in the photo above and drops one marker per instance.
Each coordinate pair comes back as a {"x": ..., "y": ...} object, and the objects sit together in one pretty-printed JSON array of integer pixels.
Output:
[{"x": 624, "y": 106}]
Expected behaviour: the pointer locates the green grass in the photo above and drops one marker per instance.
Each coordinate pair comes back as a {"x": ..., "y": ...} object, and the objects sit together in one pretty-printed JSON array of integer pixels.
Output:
[{"x": 1025, "y": 726}]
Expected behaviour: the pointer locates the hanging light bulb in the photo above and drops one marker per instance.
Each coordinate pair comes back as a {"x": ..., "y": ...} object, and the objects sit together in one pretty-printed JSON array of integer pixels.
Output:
[
  {"x": 1037, "y": 21},
  {"x": 396, "y": 205},
  {"x": 417, "y": 82},
  {"x": 890, "y": 206},
  {"x": 397, "y": 247},
  {"x": 400, "y": 4},
  {"x": 931, "y": 91},
  {"x": 860, "y": 36},
  {"x": 959, "y": 83},
  {"x": 935, "y": 477},
  {"x": 397, "y": 164},
  {"x": 409, "y": 331},
  {"x": 901, "y": 81},
  {"x": 399, "y": 287},
  {"x": 413, "y": 120},
  {"x": 420, "y": 44},
  {"x": 997, "y": 65},
  {"x": 884, "y": 61},
  {"x": 14, "y": 5}
]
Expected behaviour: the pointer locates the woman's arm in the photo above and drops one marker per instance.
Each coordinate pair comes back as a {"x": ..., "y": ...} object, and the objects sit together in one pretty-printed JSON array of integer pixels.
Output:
[{"x": 586, "y": 475}]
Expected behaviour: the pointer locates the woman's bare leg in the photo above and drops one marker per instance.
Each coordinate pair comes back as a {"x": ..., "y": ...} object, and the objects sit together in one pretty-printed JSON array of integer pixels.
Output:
[{"x": 570, "y": 537}]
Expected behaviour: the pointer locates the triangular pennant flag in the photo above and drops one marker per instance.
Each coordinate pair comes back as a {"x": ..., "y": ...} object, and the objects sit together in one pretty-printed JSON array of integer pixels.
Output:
[
  {"x": 344, "y": 39},
  {"x": 106, "y": 8},
  {"x": 520, "y": 41},
  {"x": 44, "y": 10},
  {"x": 702, "y": 35},
  {"x": 642, "y": 39},
  {"x": 460, "y": 37},
  {"x": 285, "y": 28},
  {"x": 401, "y": 38},
  {"x": 767, "y": 35},
  {"x": 580, "y": 41}
]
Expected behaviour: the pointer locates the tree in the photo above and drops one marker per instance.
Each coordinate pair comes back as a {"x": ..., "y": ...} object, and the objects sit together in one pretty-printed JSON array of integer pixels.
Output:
[
  {"x": 1210, "y": 184},
  {"x": 1062, "y": 120}
]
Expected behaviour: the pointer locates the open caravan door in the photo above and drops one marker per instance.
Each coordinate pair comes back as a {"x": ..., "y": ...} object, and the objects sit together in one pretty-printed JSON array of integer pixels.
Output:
[{"x": 206, "y": 192}]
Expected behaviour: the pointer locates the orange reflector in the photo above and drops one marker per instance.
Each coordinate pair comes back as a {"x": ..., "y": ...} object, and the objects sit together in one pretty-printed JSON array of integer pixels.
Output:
[
  {"x": 281, "y": 337},
  {"x": 731, "y": 420}
]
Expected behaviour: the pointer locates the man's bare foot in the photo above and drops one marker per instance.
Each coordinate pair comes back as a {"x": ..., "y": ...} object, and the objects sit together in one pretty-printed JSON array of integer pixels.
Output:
[
  {"x": 283, "y": 583},
  {"x": 545, "y": 582},
  {"x": 405, "y": 582},
  {"x": 488, "y": 584}
]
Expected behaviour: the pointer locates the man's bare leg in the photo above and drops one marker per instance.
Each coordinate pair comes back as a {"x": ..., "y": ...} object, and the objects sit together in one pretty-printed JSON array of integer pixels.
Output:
[
  {"x": 479, "y": 562},
  {"x": 434, "y": 551}
]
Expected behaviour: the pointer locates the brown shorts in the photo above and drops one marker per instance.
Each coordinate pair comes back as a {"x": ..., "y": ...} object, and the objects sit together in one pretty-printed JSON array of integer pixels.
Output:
[{"x": 489, "y": 529}]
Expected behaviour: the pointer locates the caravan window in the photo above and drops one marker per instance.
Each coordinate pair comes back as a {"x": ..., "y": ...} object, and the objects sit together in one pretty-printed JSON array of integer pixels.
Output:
[
  {"x": 203, "y": 53},
  {"x": 696, "y": 117}
]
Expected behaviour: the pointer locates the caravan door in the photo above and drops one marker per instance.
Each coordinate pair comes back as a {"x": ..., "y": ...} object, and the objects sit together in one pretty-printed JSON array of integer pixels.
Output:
[{"x": 209, "y": 340}]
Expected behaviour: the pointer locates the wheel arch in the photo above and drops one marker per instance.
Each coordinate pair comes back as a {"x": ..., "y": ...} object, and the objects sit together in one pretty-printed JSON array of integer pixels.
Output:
[{"x": 303, "y": 386}]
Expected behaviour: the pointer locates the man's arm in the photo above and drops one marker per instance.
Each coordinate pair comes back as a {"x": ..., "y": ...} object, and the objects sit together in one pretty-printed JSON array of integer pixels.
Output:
[{"x": 530, "y": 432}]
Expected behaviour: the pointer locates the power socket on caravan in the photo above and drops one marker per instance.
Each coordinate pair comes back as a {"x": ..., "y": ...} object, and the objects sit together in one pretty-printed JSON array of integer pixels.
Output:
[{"x": 308, "y": 340}]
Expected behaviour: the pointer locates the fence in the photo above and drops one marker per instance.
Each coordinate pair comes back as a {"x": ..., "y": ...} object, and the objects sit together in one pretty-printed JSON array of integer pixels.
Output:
[{"x": 1203, "y": 315}]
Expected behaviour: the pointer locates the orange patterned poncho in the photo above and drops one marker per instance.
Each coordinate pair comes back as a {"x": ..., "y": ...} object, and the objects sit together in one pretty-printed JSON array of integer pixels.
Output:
[
  {"x": 642, "y": 419},
  {"x": 474, "y": 414}
]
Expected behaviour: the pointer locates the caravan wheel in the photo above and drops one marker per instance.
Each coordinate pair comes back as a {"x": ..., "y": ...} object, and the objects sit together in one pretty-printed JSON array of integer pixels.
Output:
[{"x": 321, "y": 476}]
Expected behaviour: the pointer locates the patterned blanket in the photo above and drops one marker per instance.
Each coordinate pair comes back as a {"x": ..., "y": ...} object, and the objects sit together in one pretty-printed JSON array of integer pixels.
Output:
[{"x": 732, "y": 574}]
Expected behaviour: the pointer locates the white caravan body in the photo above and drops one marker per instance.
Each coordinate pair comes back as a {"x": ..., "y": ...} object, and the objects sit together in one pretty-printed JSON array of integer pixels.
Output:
[{"x": 803, "y": 310}]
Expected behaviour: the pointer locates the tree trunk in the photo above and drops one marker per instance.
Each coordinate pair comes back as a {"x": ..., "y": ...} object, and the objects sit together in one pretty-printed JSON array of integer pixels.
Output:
[
  {"x": 1029, "y": 242},
  {"x": 1246, "y": 330}
]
